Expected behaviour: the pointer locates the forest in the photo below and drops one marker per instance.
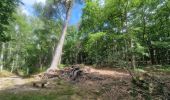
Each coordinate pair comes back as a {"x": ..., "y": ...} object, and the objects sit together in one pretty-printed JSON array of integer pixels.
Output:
[{"x": 115, "y": 50}]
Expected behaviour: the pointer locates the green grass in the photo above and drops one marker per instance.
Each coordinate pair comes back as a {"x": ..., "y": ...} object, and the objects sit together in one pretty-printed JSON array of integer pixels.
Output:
[
  {"x": 57, "y": 94},
  {"x": 161, "y": 68},
  {"x": 61, "y": 91},
  {"x": 154, "y": 69},
  {"x": 62, "y": 95},
  {"x": 139, "y": 70}
]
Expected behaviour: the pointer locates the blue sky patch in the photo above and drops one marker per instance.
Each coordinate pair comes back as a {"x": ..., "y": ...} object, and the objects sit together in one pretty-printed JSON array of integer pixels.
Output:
[{"x": 27, "y": 8}]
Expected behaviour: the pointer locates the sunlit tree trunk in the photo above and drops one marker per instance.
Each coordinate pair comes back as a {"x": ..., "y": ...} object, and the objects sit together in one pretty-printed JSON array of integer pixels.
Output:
[
  {"x": 2, "y": 57},
  {"x": 58, "y": 50},
  {"x": 9, "y": 55},
  {"x": 17, "y": 59},
  {"x": 12, "y": 66},
  {"x": 133, "y": 61}
]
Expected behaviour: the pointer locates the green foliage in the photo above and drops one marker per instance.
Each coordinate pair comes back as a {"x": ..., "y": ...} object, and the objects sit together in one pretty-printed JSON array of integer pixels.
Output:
[
  {"x": 134, "y": 30},
  {"x": 115, "y": 33},
  {"x": 7, "y": 7},
  {"x": 72, "y": 46},
  {"x": 32, "y": 43}
]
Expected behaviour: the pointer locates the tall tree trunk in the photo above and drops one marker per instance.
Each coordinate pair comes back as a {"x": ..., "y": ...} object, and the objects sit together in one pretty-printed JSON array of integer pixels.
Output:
[
  {"x": 9, "y": 56},
  {"x": 133, "y": 60},
  {"x": 2, "y": 57},
  {"x": 12, "y": 66},
  {"x": 58, "y": 50}
]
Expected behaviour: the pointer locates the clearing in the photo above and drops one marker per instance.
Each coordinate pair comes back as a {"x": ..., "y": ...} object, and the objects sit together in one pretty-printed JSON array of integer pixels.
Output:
[{"x": 98, "y": 84}]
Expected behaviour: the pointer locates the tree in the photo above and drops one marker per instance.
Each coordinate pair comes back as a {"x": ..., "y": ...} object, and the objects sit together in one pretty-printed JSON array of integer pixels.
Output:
[
  {"x": 58, "y": 51},
  {"x": 135, "y": 32},
  {"x": 7, "y": 7}
]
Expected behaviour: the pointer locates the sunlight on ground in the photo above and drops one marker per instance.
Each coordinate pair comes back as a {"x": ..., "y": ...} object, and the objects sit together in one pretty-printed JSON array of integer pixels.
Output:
[
  {"x": 13, "y": 82},
  {"x": 21, "y": 88},
  {"x": 109, "y": 72},
  {"x": 5, "y": 73},
  {"x": 99, "y": 84}
]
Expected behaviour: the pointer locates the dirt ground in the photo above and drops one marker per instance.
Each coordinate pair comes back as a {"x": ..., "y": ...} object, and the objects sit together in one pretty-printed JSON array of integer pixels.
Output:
[{"x": 97, "y": 84}]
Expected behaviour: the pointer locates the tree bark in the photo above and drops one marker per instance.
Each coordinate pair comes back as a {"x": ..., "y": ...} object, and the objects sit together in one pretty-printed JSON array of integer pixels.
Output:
[
  {"x": 133, "y": 60},
  {"x": 2, "y": 57},
  {"x": 58, "y": 50}
]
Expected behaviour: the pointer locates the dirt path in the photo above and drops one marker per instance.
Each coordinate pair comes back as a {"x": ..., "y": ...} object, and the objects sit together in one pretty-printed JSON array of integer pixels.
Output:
[
  {"x": 97, "y": 84},
  {"x": 113, "y": 73},
  {"x": 12, "y": 82}
]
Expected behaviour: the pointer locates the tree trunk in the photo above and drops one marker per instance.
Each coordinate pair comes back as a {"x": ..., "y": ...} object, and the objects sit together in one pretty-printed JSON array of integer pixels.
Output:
[
  {"x": 12, "y": 67},
  {"x": 152, "y": 55},
  {"x": 58, "y": 50},
  {"x": 133, "y": 61},
  {"x": 2, "y": 57}
]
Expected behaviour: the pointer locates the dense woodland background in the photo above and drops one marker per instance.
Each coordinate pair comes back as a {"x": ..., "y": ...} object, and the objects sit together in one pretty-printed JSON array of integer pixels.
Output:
[
  {"x": 117, "y": 50},
  {"x": 111, "y": 33}
]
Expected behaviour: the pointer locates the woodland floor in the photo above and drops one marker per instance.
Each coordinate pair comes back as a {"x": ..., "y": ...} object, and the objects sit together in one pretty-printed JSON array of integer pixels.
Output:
[{"x": 99, "y": 84}]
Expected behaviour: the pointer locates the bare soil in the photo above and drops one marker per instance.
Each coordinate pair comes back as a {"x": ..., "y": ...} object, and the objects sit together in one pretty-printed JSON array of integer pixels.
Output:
[{"x": 96, "y": 84}]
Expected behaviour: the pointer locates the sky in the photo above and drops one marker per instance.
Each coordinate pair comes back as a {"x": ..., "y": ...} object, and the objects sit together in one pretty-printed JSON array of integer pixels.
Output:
[{"x": 27, "y": 8}]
